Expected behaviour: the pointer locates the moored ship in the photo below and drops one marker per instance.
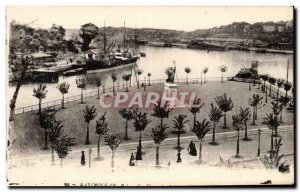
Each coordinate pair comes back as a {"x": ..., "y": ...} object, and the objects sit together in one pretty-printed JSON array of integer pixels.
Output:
[{"x": 105, "y": 57}]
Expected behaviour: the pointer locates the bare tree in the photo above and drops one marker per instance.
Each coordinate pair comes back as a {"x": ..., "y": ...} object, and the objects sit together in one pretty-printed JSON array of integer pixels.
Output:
[
  {"x": 54, "y": 132},
  {"x": 113, "y": 141},
  {"x": 62, "y": 147},
  {"x": 205, "y": 70},
  {"x": 89, "y": 114},
  {"x": 214, "y": 115},
  {"x": 188, "y": 70},
  {"x": 98, "y": 84},
  {"x": 81, "y": 84},
  {"x": 201, "y": 129},
  {"x": 101, "y": 129},
  {"x": 195, "y": 108},
  {"x": 128, "y": 115},
  {"x": 40, "y": 93},
  {"x": 237, "y": 123},
  {"x": 179, "y": 124},
  {"x": 158, "y": 135},
  {"x": 64, "y": 89},
  {"x": 246, "y": 116},
  {"x": 225, "y": 104},
  {"x": 223, "y": 69}
]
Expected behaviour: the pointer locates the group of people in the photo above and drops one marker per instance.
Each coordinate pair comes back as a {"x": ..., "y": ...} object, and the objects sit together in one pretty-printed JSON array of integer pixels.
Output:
[{"x": 191, "y": 149}]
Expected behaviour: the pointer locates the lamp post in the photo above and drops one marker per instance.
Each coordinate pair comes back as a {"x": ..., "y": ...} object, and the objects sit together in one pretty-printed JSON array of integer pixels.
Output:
[
  {"x": 90, "y": 152},
  {"x": 258, "y": 150}
]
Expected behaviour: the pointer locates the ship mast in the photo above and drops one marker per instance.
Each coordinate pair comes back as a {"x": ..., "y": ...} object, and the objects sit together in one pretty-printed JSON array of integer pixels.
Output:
[
  {"x": 287, "y": 70},
  {"x": 124, "y": 38},
  {"x": 104, "y": 39}
]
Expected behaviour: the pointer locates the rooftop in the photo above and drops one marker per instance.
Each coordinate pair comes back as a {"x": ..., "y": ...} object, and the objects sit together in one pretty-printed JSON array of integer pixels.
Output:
[{"x": 40, "y": 55}]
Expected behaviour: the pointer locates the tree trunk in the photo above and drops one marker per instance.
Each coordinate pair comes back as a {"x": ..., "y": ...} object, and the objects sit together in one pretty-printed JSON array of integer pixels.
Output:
[
  {"x": 81, "y": 96},
  {"x": 52, "y": 156},
  {"x": 112, "y": 160},
  {"x": 46, "y": 139},
  {"x": 214, "y": 134},
  {"x": 126, "y": 130},
  {"x": 187, "y": 79},
  {"x": 256, "y": 112},
  {"x": 275, "y": 132},
  {"x": 221, "y": 77},
  {"x": 238, "y": 145},
  {"x": 87, "y": 141},
  {"x": 11, "y": 115},
  {"x": 157, "y": 155},
  {"x": 178, "y": 141},
  {"x": 201, "y": 79},
  {"x": 266, "y": 90},
  {"x": 138, "y": 82},
  {"x": 98, "y": 93},
  {"x": 149, "y": 81},
  {"x": 126, "y": 86},
  {"x": 272, "y": 142},
  {"x": 15, "y": 96},
  {"x": 200, "y": 150},
  {"x": 277, "y": 94},
  {"x": 140, "y": 140},
  {"x": 258, "y": 150},
  {"x": 286, "y": 94},
  {"x": 114, "y": 88},
  {"x": 194, "y": 121},
  {"x": 246, "y": 131},
  {"x": 264, "y": 87},
  {"x": 161, "y": 123},
  {"x": 225, "y": 124},
  {"x": 270, "y": 91},
  {"x": 63, "y": 101},
  {"x": 40, "y": 106},
  {"x": 61, "y": 165},
  {"x": 253, "y": 122},
  {"x": 98, "y": 147}
]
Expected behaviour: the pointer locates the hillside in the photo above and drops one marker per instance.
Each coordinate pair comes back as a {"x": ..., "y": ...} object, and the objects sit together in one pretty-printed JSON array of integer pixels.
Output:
[{"x": 269, "y": 32}]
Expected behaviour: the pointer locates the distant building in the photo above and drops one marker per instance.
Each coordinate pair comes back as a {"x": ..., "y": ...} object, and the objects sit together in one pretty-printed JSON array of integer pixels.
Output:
[
  {"x": 95, "y": 54},
  {"x": 40, "y": 58},
  {"x": 246, "y": 28},
  {"x": 289, "y": 24},
  {"x": 269, "y": 28},
  {"x": 280, "y": 28}
]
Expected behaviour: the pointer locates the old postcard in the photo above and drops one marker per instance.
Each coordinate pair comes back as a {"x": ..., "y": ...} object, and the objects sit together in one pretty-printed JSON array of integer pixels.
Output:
[{"x": 150, "y": 96}]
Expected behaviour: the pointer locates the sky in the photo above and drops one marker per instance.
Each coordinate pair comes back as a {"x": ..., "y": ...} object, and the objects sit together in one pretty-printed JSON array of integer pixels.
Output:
[{"x": 178, "y": 18}]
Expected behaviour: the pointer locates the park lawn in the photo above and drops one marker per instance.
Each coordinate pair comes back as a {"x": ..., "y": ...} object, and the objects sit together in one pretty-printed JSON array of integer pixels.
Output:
[
  {"x": 27, "y": 137},
  {"x": 248, "y": 169}
]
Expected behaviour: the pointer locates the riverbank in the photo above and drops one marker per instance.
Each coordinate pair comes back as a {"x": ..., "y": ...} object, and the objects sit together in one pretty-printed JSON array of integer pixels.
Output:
[
  {"x": 27, "y": 137},
  {"x": 223, "y": 48}
]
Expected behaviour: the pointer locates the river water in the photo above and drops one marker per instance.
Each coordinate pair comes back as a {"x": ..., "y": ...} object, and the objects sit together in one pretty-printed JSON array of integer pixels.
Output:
[{"x": 156, "y": 61}]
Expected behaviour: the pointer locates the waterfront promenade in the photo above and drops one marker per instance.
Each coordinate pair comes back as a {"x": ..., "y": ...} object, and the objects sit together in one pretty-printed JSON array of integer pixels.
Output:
[{"x": 26, "y": 135}]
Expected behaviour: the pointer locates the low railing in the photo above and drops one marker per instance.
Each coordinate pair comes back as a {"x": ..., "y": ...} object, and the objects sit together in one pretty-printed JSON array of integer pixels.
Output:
[
  {"x": 120, "y": 86},
  {"x": 274, "y": 90}
]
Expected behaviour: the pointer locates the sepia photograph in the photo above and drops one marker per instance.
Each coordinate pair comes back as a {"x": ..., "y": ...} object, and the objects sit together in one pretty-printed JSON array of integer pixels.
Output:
[{"x": 150, "y": 96}]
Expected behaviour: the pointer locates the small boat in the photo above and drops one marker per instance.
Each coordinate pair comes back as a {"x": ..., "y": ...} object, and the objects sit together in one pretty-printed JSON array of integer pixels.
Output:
[
  {"x": 143, "y": 54},
  {"x": 74, "y": 72}
]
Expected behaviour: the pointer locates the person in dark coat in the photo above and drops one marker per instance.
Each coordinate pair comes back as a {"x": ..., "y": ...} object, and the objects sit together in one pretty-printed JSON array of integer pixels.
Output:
[
  {"x": 192, "y": 149},
  {"x": 179, "y": 157},
  {"x": 82, "y": 158},
  {"x": 132, "y": 160},
  {"x": 138, "y": 155}
]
